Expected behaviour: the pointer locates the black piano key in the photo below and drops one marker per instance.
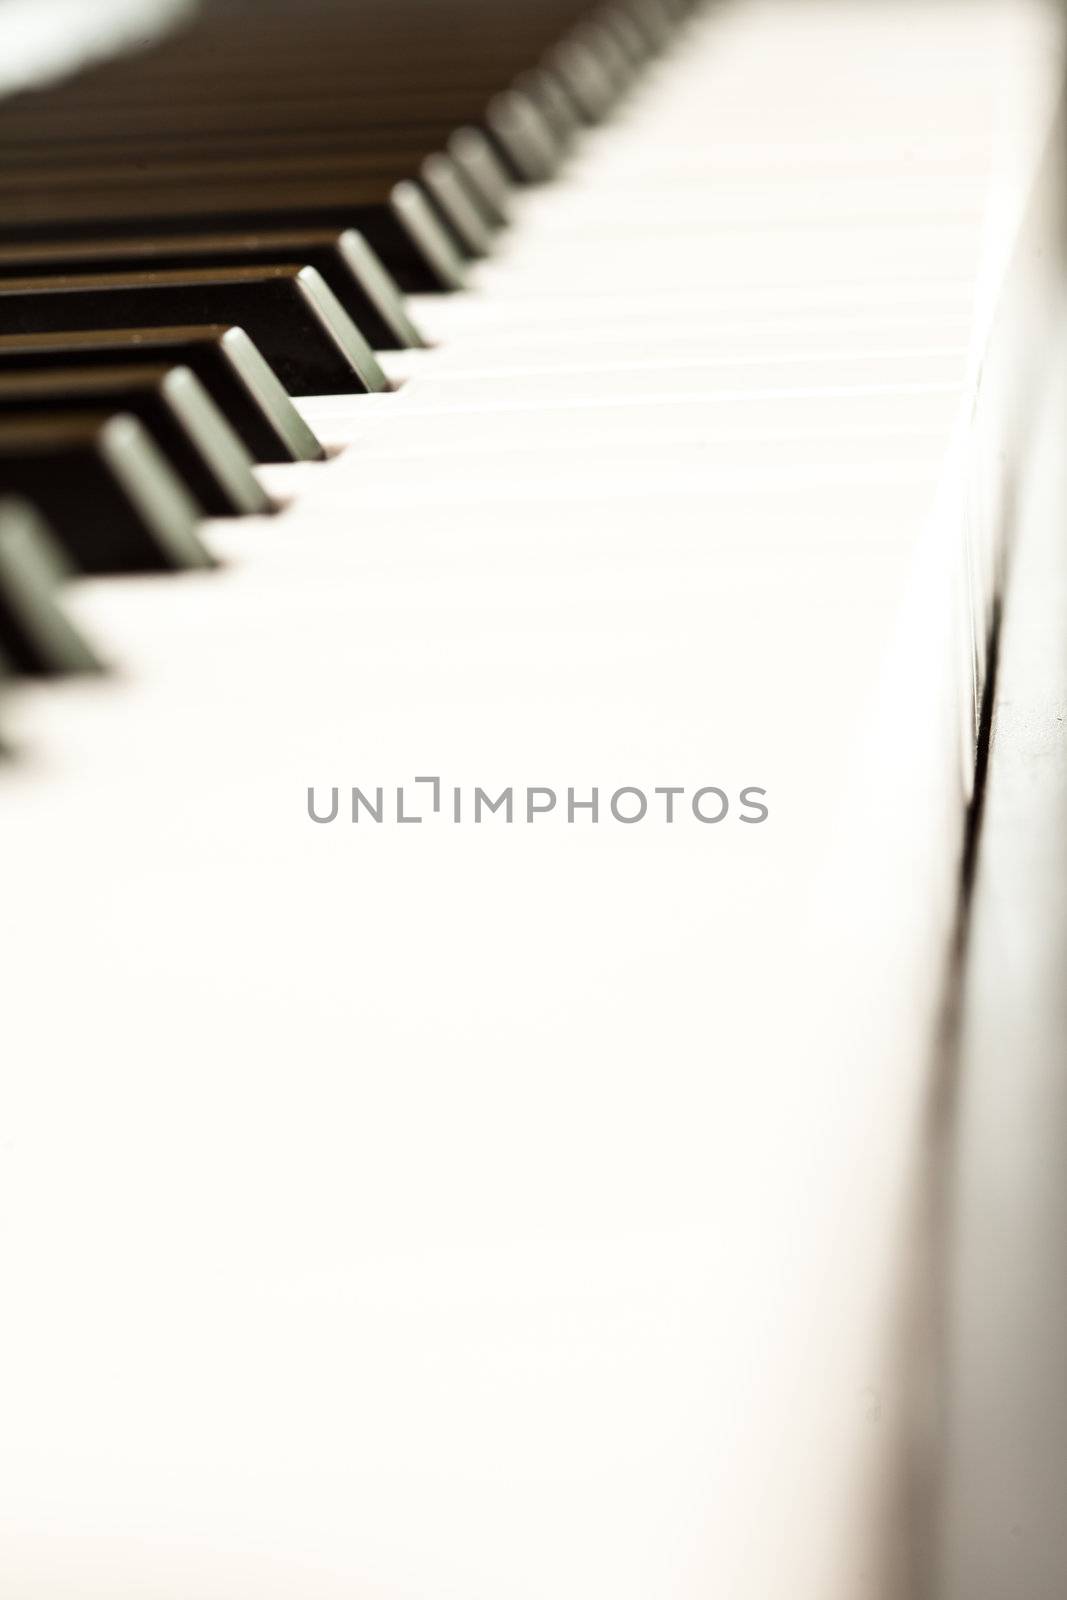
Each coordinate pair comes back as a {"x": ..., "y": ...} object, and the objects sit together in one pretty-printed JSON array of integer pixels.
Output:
[
  {"x": 629, "y": 36},
  {"x": 584, "y": 76},
  {"x": 7, "y": 677},
  {"x": 288, "y": 311},
  {"x": 177, "y": 411},
  {"x": 106, "y": 491},
  {"x": 485, "y": 175},
  {"x": 389, "y": 325},
  {"x": 652, "y": 20},
  {"x": 37, "y": 637},
  {"x": 611, "y": 51},
  {"x": 225, "y": 360},
  {"x": 522, "y": 134},
  {"x": 418, "y": 251},
  {"x": 406, "y": 233},
  {"x": 449, "y": 193},
  {"x": 344, "y": 260},
  {"x": 544, "y": 89}
]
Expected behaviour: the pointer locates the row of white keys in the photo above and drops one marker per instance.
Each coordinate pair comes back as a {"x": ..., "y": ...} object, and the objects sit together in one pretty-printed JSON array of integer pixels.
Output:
[{"x": 448, "y": 1209}]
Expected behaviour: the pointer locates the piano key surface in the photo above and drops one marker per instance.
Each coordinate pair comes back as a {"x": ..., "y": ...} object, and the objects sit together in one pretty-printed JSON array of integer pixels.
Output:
[{"x": 495, "y": 1205}]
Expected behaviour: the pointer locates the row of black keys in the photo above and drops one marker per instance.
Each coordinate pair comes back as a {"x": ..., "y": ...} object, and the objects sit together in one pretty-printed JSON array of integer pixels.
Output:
[
  {"x": 143, "y": 375},
  {"x": 312, "y": 112}
]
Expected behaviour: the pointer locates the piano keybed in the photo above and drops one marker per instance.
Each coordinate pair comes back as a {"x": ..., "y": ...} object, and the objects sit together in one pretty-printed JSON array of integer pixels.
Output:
[{"x": 432, "y": 399}]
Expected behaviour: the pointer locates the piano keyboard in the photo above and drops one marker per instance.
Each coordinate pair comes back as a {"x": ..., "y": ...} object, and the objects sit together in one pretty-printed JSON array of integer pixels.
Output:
[{"x": 492, "y": 659}]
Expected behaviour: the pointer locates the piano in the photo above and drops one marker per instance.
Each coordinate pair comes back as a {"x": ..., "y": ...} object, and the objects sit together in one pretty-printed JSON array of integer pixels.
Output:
[{"x": 532, "y": 705}]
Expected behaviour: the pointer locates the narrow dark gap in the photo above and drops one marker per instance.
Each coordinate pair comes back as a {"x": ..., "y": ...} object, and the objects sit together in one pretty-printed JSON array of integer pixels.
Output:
[
  {"x": 928, "y": 1431},
  {"x": 973, "y": 832}
]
